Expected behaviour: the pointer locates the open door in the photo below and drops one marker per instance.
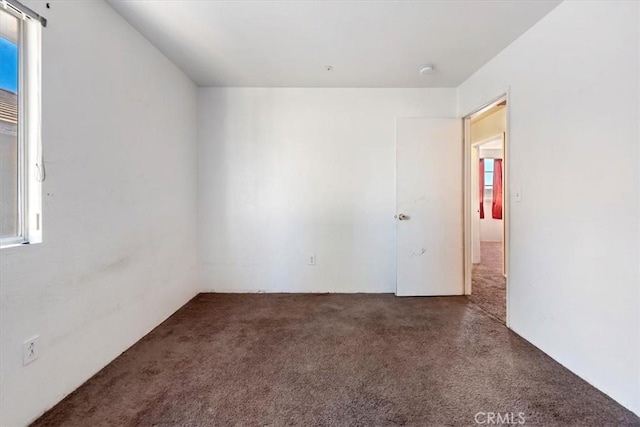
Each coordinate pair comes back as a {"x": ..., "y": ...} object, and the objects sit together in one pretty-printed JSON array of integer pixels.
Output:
[
  {"x": 429, "y": 207},
  {"x": 474, "y": 203}
]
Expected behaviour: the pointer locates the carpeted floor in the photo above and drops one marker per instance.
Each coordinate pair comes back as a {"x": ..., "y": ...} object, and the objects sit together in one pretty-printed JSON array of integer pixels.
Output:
[
  {"x": 488, "y": 284},
  {"x": 367, "y": 360}
]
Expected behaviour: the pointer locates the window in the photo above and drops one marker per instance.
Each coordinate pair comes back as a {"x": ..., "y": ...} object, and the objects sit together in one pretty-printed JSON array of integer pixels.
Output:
[
  {"x": 488, "y": 177},
  {"x": 21, "y": 164}
]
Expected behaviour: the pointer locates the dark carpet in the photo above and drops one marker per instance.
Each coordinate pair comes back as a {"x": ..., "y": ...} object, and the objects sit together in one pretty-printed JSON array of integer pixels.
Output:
[
  {"x": 488, "y": 284},
  {"x": 357, "y": 360}
]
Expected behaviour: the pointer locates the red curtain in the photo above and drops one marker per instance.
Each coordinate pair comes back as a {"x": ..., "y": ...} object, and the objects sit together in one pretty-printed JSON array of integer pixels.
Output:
[
  {"x": 496, "y": 207},
  {"x": 481, "y": 188}
]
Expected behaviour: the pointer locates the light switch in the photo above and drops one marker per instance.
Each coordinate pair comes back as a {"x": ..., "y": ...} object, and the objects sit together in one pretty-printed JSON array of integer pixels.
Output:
[{"x": 517, "y": 195}]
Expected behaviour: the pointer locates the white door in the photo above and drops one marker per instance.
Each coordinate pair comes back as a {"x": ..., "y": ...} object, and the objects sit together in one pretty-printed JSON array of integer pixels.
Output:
[
  {"x": 475, "y": 205},
  {"x": 429, "y": 207}
]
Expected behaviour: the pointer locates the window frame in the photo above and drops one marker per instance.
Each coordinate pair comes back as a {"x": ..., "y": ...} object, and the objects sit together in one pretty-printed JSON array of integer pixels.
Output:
[
  {"x": 488, "y": 187},
  {"x": 29, "y": 150}
]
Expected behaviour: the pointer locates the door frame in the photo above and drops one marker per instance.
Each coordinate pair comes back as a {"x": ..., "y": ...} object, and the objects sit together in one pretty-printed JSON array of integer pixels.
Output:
[
  {"x": 468, "y": 203},
  {"x": 475, "y": 154}
]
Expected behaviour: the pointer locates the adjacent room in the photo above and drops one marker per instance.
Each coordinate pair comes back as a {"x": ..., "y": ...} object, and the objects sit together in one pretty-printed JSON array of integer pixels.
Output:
[
  {"x": 354, "y": 213},
  {"x": 488, "y": 139}
]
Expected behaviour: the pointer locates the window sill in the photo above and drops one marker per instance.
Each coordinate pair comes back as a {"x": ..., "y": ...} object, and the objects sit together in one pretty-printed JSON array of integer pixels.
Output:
[{"x": 13, "y": 244}]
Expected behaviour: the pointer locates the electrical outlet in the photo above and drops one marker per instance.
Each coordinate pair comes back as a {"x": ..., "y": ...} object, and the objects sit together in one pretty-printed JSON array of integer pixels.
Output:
[
  {"x": 312, "y": 259},
  {"x": 30, "y": 350}
]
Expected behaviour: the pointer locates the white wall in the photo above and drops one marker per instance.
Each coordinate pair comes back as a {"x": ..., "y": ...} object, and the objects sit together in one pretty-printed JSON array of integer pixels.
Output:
[
  {"x": 119, "y": 208},
  {"x": 574, "y": 278},
  {"x": 285, "y": 173}
]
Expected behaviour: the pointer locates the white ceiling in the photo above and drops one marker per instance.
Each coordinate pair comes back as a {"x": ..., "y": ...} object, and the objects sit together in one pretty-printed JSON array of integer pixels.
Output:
[
  {"x": 368, "y": 43},
  {"x": 493, "y": 145}
]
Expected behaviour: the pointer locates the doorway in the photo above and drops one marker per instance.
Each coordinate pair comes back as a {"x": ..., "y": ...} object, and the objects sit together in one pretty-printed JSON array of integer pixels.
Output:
[{"x": 486, "y": 213}]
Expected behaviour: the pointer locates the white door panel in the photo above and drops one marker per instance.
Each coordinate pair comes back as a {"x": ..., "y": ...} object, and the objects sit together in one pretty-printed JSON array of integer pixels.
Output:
[
  {"x": 429, "y": 195},
  {"x": 475, "y": 205}
]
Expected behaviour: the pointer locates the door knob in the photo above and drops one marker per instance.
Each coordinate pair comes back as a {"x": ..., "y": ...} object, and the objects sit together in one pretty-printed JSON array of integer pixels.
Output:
[{"x": 402, "y": 217}]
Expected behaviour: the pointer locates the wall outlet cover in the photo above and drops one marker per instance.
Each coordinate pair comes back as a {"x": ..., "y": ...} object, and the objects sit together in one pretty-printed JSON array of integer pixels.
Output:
[{"x": 30, "y": 350}]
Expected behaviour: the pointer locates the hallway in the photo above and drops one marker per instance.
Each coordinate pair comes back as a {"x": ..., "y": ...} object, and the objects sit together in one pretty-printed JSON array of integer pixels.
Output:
[{"x": 489, "y": 286}]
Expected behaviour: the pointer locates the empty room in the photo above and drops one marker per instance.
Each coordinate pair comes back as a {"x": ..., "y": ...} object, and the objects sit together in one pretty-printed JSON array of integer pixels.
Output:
[{"x": 349, "y": 213}]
